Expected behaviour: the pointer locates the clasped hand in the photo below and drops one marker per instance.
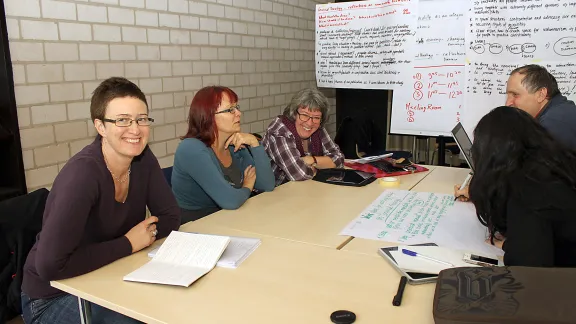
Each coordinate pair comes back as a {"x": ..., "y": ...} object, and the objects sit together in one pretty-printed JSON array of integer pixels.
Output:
[{"x": 240, "y": 140}]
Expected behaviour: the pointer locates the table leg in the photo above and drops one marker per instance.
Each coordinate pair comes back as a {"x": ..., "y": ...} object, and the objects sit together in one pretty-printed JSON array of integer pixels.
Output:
[{"x": 85, "y": 316}]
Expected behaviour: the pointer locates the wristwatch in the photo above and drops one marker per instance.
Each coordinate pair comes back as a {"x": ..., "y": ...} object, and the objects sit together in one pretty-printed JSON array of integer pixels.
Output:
[{"x": 315, "y": 161}]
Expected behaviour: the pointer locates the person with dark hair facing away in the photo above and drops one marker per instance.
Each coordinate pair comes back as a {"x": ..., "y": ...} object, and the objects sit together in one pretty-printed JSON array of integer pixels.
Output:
[
  {"x": 297, "y": 142},
  {"x": 216, "y": 166},
  {"x": 534, "y": 90},
  {"x": 96, "y": 211},
  {"x": 524, "y": 188}
]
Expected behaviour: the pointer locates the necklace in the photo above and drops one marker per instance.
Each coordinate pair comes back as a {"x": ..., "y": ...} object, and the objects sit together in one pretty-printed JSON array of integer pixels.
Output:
[{"x": 112, "y": 173}]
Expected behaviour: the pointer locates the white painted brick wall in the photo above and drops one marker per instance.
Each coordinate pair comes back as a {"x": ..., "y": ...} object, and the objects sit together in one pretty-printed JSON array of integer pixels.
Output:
[{"x": 62, "y": 49}]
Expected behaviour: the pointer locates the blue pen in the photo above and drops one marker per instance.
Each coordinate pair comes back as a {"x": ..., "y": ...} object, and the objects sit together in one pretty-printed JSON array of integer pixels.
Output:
[{"x": 415, "y": 254}]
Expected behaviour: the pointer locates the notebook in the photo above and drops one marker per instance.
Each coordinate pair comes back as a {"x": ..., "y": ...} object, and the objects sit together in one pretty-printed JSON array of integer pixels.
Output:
[
  {"x": 421, "y": 265},
  {"x": 235, "y": 253},
  {"x": 182, "y": 259}
]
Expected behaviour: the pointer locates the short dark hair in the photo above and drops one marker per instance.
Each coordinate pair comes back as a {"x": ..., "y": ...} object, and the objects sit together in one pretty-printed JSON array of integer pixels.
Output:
[
  {"x": 537, "y": 77},
  {"x": 201, "y": 120},
  {"x": 110, "y": 89},
  {"x": 510, "y": 144}
]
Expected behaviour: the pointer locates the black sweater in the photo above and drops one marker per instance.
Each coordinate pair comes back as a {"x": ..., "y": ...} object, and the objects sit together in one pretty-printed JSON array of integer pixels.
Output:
[
  {"x": 83, "y": 227},
  {"x": 541, "y": 224}
]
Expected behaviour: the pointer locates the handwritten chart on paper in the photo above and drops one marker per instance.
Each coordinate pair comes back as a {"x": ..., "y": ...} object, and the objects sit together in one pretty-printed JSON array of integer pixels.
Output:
[
  {"x": 431, "y": 101},
  {"x": 503, "y": 35},
  {"x": 409, "y": 217},
  {"x": 364, "y": 44}
]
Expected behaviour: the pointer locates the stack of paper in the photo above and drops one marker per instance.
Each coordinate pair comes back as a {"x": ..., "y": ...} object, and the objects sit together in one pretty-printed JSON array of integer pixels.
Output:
[
  {"x": 182, "y": 259},
  {"x": 417, "y": 264},
  {"x": 370, "y": 158},
  {"x": 236, "y": 252}
]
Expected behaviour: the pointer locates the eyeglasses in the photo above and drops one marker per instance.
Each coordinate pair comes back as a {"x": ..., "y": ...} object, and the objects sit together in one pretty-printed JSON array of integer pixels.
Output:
[
  {"x": 229, "y": 110},
  {"x": 126, "y": 122},
  {"x": 305, "y": 118}
]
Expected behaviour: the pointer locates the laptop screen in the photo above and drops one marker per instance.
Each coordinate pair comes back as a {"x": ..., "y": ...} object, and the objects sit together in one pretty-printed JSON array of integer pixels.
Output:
[{"x": 464, "y": 143}]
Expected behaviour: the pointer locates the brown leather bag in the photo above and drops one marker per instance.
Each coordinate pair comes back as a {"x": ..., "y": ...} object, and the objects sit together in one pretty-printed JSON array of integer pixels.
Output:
[{"x": 508, "y": 295}]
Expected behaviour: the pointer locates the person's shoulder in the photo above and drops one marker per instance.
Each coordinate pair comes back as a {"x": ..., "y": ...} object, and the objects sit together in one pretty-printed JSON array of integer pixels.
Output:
[
  {"x": 560, "y": 105},
  {"x": 542, "y": 190},
  {"x": 277, "y": 128},
  {"x": 83, "y": 166},
  {"x": 189, "y": 150},
  {"x": 191, "y": 146}
]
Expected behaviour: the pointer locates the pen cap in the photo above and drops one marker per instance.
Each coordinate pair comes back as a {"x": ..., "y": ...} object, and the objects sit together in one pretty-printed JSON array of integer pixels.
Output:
[{"x": 343, "y": 317}]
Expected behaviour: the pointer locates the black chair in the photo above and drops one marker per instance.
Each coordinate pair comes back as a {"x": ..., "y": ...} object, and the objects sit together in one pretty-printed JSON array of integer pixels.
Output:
[{"x": 168, "y": 175}]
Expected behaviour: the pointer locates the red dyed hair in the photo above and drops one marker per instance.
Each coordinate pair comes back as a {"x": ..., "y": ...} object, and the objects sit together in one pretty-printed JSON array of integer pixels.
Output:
[{"x": 201, "y": 121}]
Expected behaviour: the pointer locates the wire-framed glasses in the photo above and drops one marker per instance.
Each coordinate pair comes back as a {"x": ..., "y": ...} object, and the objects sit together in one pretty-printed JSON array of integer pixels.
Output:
[
  {"x": 231, "y": 110},
  {"x": 305, "y": 118}
]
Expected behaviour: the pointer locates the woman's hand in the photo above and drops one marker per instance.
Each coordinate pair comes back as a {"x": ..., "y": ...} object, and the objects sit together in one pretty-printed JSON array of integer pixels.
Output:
[
  {"x": 143, "y": 234},
  {"x": 308, "y": 159},
  {"x": 463, "y": 194},
  {"x": 497, "y": 243},
  {"x": 249, "y": 177},
  {"x": 240, "y": 140}
]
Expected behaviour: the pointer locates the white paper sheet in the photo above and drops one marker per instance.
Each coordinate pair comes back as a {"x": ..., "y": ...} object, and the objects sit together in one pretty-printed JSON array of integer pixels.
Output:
[
  {"x": 182, "y": 259},
  {"x": 364, "y": 44},
  {"x": 416, "y": 264},
  {"x": 235, "y": 253},
  {"x": 431, "y": 100},
  {"x": 501, "y": 36},
  {"x": 409, "y": 217}
]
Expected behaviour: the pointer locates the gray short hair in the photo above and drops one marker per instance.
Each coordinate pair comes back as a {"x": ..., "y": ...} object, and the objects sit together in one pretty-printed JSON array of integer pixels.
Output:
[
  {"x": 310, "y": 98},
  {"x": 537, "y": 77}
]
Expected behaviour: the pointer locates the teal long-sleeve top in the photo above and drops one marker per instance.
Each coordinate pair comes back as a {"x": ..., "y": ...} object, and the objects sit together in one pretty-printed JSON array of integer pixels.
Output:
[{"x": 198, "y": 181}]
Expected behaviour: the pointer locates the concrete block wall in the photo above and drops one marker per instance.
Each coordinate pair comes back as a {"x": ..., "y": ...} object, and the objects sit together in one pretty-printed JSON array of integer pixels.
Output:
[{"x": 62, "y": 49}]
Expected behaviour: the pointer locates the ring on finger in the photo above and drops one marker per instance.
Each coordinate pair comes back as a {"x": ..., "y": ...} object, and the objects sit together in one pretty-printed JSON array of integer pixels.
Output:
[{"x": 154, "y": 232}]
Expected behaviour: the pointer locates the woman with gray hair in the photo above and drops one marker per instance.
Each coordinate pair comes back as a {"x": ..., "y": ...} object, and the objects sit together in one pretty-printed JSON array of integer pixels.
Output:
[{"x": 297, "y": 142}]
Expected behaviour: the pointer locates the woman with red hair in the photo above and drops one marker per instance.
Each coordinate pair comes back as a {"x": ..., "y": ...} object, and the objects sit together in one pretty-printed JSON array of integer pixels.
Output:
[{"x": 216, "y": 166}]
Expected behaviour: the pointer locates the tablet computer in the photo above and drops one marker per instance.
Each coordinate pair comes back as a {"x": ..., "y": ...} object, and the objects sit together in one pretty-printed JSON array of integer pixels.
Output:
[
  {"x": 414, "y": 278},
  {"x": 464, "y": 143},
  {"x": 344, "y": 177}
]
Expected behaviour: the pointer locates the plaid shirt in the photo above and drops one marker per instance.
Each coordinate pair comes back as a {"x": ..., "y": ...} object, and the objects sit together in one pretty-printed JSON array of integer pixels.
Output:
[{"x": 280, "y": 144}]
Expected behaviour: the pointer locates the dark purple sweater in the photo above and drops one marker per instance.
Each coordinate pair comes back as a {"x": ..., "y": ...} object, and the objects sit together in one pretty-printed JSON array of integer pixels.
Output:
[{"x": 83, "y": 226}]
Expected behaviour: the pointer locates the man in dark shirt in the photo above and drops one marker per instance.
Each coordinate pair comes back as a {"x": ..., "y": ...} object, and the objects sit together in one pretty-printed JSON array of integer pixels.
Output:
[{"x": 533, "y": 89}]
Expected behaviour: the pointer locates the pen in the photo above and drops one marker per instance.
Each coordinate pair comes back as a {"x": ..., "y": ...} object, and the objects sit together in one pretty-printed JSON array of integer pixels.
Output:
[
  {"x": 398, "y": 298},
  {"x": 464, "y": 184},
  {"x": 415, "y": 254}
]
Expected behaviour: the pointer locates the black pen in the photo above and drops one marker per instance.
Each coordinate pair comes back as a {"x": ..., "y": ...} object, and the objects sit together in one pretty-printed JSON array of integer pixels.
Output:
[{"x": 398, "y": 298}]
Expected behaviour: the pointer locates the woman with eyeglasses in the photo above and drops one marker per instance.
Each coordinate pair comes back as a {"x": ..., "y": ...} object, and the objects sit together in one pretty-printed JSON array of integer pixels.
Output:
[
  {"x": 216, "y": 166},
  {"x": 296, "y": 141},
  {"x": 96, "y": 211}
]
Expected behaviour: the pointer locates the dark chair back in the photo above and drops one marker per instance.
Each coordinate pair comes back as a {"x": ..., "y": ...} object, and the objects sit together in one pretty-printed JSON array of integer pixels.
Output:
[{"x": 168, "y": 175}]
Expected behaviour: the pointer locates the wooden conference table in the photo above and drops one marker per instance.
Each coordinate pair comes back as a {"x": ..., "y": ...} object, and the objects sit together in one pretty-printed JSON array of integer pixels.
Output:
[
  {"x": 295, "y": 276},
  {"x": 309, "y": 212}
]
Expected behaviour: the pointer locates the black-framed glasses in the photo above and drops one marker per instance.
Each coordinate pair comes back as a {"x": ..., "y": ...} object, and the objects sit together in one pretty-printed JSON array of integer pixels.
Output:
[
  {"x": 231, "y": 110},
  {"x": 305, "y": 118},
  {"x": 126, "y": 122}
]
